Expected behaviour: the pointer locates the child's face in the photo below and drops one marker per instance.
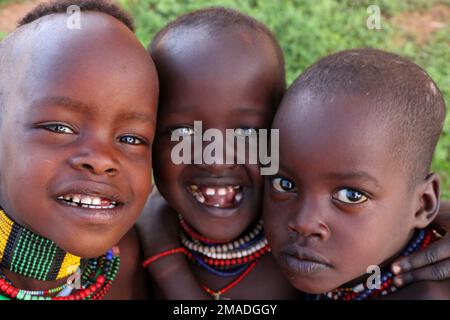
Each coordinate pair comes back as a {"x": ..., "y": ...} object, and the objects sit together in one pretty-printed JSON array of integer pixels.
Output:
[
  {"x": 81, "y": 126},
  {"x": 226, "y": 84},
  {"x": 341, "y": 202}
]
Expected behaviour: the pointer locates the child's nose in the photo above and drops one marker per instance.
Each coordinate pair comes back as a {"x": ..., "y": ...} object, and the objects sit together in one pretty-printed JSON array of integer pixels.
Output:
[
  {"x": 308, "y": 221},
  {"x": 96, "y": 159}
]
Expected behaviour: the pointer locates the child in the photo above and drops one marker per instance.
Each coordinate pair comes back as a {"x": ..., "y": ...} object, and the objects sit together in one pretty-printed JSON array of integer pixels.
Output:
[
  {"x": 225, "y": 69},
  {"x": 210, "y": 62},
  {"x": 357, "y": 135},
  {"x": 78, "y": 109}
]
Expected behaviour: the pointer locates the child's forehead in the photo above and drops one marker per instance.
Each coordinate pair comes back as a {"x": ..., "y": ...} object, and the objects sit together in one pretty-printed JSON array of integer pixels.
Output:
[
  {"x": 343, "y": 128},
  {"x": 205, "y": 46},
  {"x": 103, "y": 56}
]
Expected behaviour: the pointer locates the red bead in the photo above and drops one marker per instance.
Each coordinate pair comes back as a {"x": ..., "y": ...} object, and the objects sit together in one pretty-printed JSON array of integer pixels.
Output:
[
  {"x": 9, "y": 291},
  {"x": 239, "y": 260},
  {"x": 227, "y": 262},
  {"x": 15, "y": 292},
  {"x": 101, "y": 279},
  {"x": 4, "y": 287}
]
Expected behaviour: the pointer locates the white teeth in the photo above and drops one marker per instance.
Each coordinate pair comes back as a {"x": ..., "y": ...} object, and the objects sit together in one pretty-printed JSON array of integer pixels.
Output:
[
  {"x": 222, "y": 191},
  {"x": 238, "y": 197},
  {"x": 217, "y": 205},
  {"x": 236, "y": 187},
  {"x": 210, "y": 191},
  {"x": 200, "y": 198},
  {"x": 86, "y": 200},
  {"x": 193, "y": 187}
]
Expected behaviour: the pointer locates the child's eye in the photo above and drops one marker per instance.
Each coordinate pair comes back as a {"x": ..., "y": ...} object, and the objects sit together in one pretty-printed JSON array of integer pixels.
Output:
[
  {"x": 58, "y": 128},
  {"x": 245, "y": 131},
  {"x": 350, "y": 196},
  {"x": 182, "y": 131},
  {"x": 282, "y": 185},
  {"x": 131, "y": 140}
]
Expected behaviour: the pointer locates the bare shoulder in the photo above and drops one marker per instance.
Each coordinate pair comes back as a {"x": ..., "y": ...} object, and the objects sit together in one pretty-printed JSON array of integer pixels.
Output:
[
  {"x": 425, "y": 290},
  {"x": 131, "y": 282}
]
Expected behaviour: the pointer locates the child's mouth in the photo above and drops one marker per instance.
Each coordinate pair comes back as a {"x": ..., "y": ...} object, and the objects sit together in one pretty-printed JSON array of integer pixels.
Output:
[
  {"x": 88, "y": 202},
  {"x": 223, "y": 197}
]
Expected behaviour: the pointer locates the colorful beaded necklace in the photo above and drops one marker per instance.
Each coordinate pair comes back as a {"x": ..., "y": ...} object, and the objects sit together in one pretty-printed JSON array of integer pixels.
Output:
[
  {"x": 23, "y": 252},
  {"x": 235, "y": 258},
  {"x": 30, "y": 255},
  {"x": 420, "y": 241}
]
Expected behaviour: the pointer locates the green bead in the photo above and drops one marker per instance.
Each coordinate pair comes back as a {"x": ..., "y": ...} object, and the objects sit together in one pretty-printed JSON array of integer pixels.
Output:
[{"x": 20, "y": 295}]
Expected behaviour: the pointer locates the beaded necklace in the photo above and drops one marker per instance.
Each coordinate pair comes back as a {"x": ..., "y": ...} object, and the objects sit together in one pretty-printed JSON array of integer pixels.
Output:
[
  {"x": 30, "y": 255},
  {"x": 23, "y": 252},
  {"x": 224, "y": 259},
  {"x": 420, "y": 241},
  {"x": 235, "y": 258}
]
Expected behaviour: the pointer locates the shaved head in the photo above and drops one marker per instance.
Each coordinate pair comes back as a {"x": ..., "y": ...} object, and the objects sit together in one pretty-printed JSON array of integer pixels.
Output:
[{"x": 29, "y": 53}]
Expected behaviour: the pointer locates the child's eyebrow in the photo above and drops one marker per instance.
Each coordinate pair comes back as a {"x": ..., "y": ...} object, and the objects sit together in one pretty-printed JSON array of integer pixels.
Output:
[
  {"x": 130, "y": 116},
  {"x": 353, "y": 175},
  {"x": 66, "y": 102},
  {"x": 240, "y": 109},
  {"x": 82, "y": 107}
]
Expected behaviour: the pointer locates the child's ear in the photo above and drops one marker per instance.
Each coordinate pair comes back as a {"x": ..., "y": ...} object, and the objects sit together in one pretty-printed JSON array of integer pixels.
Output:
[{"x": 429, "y": 200}]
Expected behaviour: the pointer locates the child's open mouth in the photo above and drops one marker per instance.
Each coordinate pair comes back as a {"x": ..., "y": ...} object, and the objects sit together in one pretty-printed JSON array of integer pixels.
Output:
[
  {"x": 88, "y": 202},
  {"x": 223, "y": 197}
]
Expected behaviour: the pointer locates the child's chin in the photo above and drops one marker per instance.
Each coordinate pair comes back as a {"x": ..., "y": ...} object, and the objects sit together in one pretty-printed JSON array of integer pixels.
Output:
[
  {"x": 86, "y": 249},
  {"x": 312, "y": 288}
]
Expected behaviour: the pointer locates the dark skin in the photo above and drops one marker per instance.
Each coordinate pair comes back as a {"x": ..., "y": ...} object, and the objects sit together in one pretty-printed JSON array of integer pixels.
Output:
[
  {"x": 82, "y": 122},
  {"x": 158, "y": 225},
  {"x": 432, "y": 263},
  {"x": 349, "y": 209},
  {"x": 228, "y": 82}
]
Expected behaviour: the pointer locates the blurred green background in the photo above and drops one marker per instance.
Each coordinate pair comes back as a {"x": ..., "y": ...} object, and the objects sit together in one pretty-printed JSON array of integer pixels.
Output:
[{"x": 308, "y": 30}]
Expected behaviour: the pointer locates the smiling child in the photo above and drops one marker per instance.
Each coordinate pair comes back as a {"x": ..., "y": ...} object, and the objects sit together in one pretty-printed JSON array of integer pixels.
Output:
[
  {"x": 78, "y": 109},
  {"x": 225, "y": 69}
]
